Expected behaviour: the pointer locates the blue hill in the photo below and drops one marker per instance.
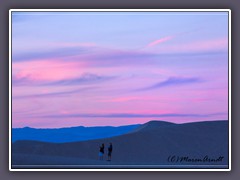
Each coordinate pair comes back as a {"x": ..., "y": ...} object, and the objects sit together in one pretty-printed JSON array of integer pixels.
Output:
[{"x": 71, "y": 134}]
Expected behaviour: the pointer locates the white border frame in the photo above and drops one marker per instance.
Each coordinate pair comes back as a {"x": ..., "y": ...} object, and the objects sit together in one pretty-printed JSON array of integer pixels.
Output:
[{"x": 123, "y": 10}]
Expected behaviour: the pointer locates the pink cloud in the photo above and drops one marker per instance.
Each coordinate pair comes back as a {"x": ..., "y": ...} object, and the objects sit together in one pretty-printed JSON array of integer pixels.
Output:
[
  {"x": 22, "y": 75},
  {"x": 47, "y": 69},
  {"x": 126, "y": 99},
  {"x": 64, "y": 112},
  {"x": 159, "y": 41}
]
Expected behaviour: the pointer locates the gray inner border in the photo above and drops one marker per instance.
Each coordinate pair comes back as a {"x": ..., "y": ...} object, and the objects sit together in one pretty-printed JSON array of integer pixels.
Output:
[{"x": 5, "y": 5}]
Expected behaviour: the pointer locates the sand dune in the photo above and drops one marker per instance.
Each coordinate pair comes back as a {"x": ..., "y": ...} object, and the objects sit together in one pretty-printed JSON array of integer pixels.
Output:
[{"x": 151, "y": 144}]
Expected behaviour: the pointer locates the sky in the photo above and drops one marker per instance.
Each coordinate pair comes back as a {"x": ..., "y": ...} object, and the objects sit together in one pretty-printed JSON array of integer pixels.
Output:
[{"x": 118, "y": 68}]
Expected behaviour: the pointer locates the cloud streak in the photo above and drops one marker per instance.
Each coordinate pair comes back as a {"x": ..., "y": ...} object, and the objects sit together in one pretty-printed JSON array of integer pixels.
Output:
[
  {"x": 53, "y": 94},
  {"x": 172, "y": 81},
  {"x": 159, "y": 41},
  {"x": 198, "y": 46},
  {"x": 60, "y": 52},
  {"x": 83, "y": 79},
  {"x": 128, "y": 115},
  {"x": 86, "y": 78},
  {"x": 89, "y": 56}
]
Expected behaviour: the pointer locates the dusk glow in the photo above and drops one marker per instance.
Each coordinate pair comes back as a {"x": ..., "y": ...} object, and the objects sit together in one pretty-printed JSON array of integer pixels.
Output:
[{"x": 118, "y": 68}]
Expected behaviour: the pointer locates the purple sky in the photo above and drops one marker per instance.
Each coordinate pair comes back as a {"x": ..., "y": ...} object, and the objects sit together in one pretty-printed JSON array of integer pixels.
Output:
[{"x": 118, "y": 68}]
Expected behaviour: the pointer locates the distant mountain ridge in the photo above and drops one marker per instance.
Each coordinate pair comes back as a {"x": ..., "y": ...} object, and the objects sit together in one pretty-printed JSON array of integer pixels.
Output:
[{"x": 69, "y": 134}]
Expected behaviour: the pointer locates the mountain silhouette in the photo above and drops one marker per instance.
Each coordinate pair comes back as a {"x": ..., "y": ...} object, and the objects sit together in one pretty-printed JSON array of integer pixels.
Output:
[{"x": 71, "y": 134}]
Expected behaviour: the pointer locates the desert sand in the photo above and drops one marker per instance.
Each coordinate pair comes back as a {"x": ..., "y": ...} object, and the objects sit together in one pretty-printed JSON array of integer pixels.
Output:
[{"x": 156, "y": 144}]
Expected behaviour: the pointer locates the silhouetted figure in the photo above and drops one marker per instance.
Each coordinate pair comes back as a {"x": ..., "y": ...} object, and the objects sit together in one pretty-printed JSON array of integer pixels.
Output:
[
  {"x": 110, "y": 152},
  {"x": 101, "y": 152}
]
